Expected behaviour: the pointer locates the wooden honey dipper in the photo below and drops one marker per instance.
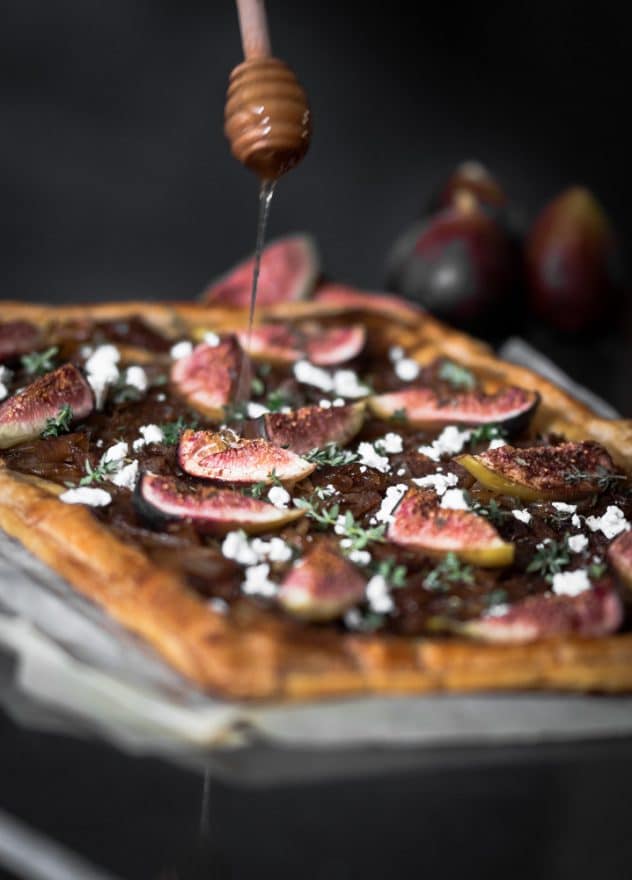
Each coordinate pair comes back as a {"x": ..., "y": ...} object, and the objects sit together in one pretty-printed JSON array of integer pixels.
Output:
[{"x": 267, "y": 117}]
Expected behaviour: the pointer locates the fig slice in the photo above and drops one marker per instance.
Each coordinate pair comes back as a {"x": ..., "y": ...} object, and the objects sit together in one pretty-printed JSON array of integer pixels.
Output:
[
  {"x": 420, "y": 524},
  {"x": 17, "y": 338},
  {"x": 272, "y": 343},
  {"x": 24, "y": 416},
  {"x": 321, "y": 586},
  {"x": 511, "y": 407},
  {"x": 336, "y": 345},
  {"x": 207, "y": 378},
  {"x": 620, "y": 557},
  {"x": 593, "y": 613},
  {"x": 225, "y": 457},
  {"x": 289, "y": 269},
  {"x": 313, "y": 427},
  {"x": 543, "y": 473},
  {"x": 212, "y": 509},
  {"x": 342, "y": 298}
]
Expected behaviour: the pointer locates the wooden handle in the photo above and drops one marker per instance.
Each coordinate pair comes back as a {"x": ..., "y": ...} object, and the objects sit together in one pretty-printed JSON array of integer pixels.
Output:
[{"x": 253, "y": 24}]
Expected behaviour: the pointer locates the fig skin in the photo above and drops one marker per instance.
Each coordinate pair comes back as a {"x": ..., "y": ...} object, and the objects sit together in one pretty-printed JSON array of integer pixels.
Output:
[
  {"x": 208, "y": 377},
  {"x": 342, "y": 298},
  {"x": 312, "y": 427},
  {"x": 17, "y": 338},
  {"x": 511, "y": 407},
  {"x": 620, "y": 557},
  {"x": 419, "y": 523},
  {"x": 540, "y": 473},
  {"x": 336, "y": 345},
  {"x": 325, "y": 346},
  {"x": 572, "y": 262},
  {"x": 224, "y": 457},
  {"x": 24, "y": 416},
  {"x": 321, "y": 586},
  {"x": 213, "y": 510},
  {"x": 274, "y": 344}
]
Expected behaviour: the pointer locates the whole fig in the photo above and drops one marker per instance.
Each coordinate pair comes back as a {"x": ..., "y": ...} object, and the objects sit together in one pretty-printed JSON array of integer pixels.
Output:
[{"x": 572, "y": 263}]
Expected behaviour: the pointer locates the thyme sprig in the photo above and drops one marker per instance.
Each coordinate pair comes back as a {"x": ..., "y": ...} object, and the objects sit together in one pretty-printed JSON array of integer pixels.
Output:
[
  {"x": 58, "y": 424},
  {"x": 492, "y": 510},
  {"x": 101, "y": 472},
  {"x": 331, "y": 455},
  {"x": 481, "y": 433},
  {"x": 550, "y": 559},
  {"x": 457, "y": 376},
  {"x": 604, "y": 478},
  {"x": 393, "y": 574},
  {"x": 258, "y": 489},
  {"x": 171, "y": 430},
  {"x": 449, "y": 571},
  {"x": 39, "y": 362}
]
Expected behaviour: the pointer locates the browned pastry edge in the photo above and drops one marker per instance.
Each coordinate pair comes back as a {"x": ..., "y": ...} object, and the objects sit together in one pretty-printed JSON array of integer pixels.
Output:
[{"x": 253, "y": 655}]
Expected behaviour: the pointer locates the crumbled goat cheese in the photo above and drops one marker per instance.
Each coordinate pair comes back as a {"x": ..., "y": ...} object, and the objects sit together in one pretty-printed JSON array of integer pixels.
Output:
[
  {"x": 127, "y": 476},
  {"x": 255, "y": 410},
  {"x": 498, "y": 610},
  {"x": 360, "y": 557},
  {"x": 338, "y": 401},
  {"x": 439, "y": 482},
  {"x": 181, "y": 349},
  {"x": 211, "y": 339},
  {"x": 102, "y": 371},
  {"x": 353, "y": 619},
  {"x": 235, "y": 546},
  {"x": 576, "y": 521},
  {"x": 407, "y": 369},
  {"x": 371, "y": 458},
  {"x": 115, "y": 453},
  {"x": 275, "y": 550},
  {"x": 279, "y": 496},
  {"x": 395, "y": 353},
  {"x": 344, "y": 383},
  {"x": 401, "y": 471},
  {"x": 390, "y": 443},
  {"x": 496, "y": 443},
  {"x": 149, "y": 434},
  {"x": 4, "y": 391},
  {"x": 308, "y": 374},
  {"x": 137, "y": 378},
  {"x": 563, "y": 507},
  {"x": 570, "y": 583},
  {"x": 577, "y": 543},
  {"x": 378, "y": 595},
  {"x": 449, "y": 442},
  {"x": 86, "y": 495},
  {"x": 522, "y": 516},
  {"x": 394, "y": 495},
  {"x": 257, "y": 582},
  {"x": 347, "y": 384},
  {"x": 218, "y": 605},
  {"x": 612, "y": 523},
  {"x": 454, "y": 499},
  {"x": 324, "y": 403},
  {"x": 5, "y": 376}
]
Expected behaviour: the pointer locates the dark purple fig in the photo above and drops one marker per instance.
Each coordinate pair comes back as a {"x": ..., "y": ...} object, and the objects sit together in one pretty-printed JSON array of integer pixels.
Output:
[
  {"x": 458, "y": 264},
  {"x": 419, "y": 523},
  {"x": 472, "y": 177},
  {"x": 544, "y": 473},
  {"x": 341, "y": 299},
  {"x": 17, "y": 338},
  {"x": 620, "y": 557},
  {"x": 591, "y": 614},
  {"x": 208, "y": 377},
  {"x": 272, "y": 343},
  {"x": 321, "y": 586},
  {"x": 213, "y": 510},
  {"x": 289, "y": 269},
  {"x": 336, "y": 345},
  {"x": 24, "y": 416},
  {"x": 572, "y": 262},
  {"x": 313, "y": 427},
  {"x": 227, "y": 458},
  {"x": 510, "y": 407}
]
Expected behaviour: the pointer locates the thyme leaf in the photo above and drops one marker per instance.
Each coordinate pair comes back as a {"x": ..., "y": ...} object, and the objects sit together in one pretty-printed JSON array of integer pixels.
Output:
[
  {"x": 449, "y": 571},
  {"x": 39, "y": 362},
  {"x": 58, "y": 424},
  {"x": 457, "y": 375},
  {"x": 331, "y": 455}
]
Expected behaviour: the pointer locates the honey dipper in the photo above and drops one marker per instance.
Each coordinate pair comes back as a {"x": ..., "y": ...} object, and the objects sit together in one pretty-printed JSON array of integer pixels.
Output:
[{"x": 267, "y": 117}]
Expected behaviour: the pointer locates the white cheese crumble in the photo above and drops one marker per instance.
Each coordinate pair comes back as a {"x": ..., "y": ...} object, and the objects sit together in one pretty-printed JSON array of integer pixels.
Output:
[
  {"x": 406, "y": 369},
  {"x": 338, "y": 401},
  {"x": 127, "y": 476},
  {"x": 522, "y": 516},
  {"x": 181, "y": 349},
  {"x": 496, "y": 443},
  {"x": 395, "y": 353},
  {"x": 454, "y": 499},
  {"x": 370, "y": 457},
  {"x": 137, "y": 378},
  {"x": 211, "y": 339},
  {"x": 279, "y": 496},
  {"x": 257, "y": 582},
  {"x": 577, "y": 543},
  {"x": 343, "y": 383},
  {"x": 576, "y": 521},
  {"x": 86, "y": 495},
  {"x": 324, "y": 403},
  {"x": 347, "y": 384},
  {"x": 5, "y": 376},
  {"x": 102, "y": 371},
  {"x": 611, "y": 524},
  {"x": 255, "y": 410},
  {"x": 562, "y": 507},
  {"x": 4, "y": 391},
  {"x": 449, "y": 442},
  {"x": 115, "y": 453},
  {"x": 571, "y": 583},
  {"x": 360, "y": 557},
  {"x": 378, "y": 595},
  {"x": 149, "y": 434},
  {"x": 390, "y": 444},
  {"x": 308, "y": 374},
  {"x": 394, "y": 495},
  {"x": 218, "y": 605},
  {"x": 439, "y": 482},
  {"x": 235, "y": 546},
  {"x": 275, "y": 550}
]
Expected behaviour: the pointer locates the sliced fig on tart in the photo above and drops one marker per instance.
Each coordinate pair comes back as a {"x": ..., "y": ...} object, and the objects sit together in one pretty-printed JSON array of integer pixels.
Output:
[
  {"x": 543, "y": 473},
  {"x": 341, "y": 298},
  {"x": 419, "y": 523},
  {"x": 510, "y": 407},
  {"x": 321, "y": 586},
  {"x": 17, "y": 338},
  {"x": 225, "y": 457},
  {"x": 313, "y": 427},
  {"x": 272, "y": 344},
  {"x": 620, "y": 557},
  {"x": 595, "y": 612},
  {"x": 25, "y": 415},
  {"x": 207, "y": 378},
  {"x": 211, "y": 509},
  {"x": 335, "y": 345}
]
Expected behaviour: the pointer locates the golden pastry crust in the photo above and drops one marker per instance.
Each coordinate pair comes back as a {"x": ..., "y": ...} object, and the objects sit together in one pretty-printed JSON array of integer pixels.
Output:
[{"x": 253, "y": 655}]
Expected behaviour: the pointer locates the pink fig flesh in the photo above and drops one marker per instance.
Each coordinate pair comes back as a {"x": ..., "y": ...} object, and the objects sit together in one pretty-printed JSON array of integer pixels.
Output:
[
  {"x": 17, "y": 338},
  {"x": 212, "y": 509},
  {"x": 620, "y": 557},
  {"x": 272, "y": 343},
  {"x": 24, "y": 416},
  {"x": 321, "y": 586},
  {"x": 226, "y": 458},
  {"x": 313, "y": 427},
  {"x": 336, "y": 345},
  {"x": 342, "y": 299},
  {"x": 207, "y": 378},
  {"x": 419, "y": 523},
  {"x": 593, "y": 613},
  {"x": 511, "y": 407}
]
